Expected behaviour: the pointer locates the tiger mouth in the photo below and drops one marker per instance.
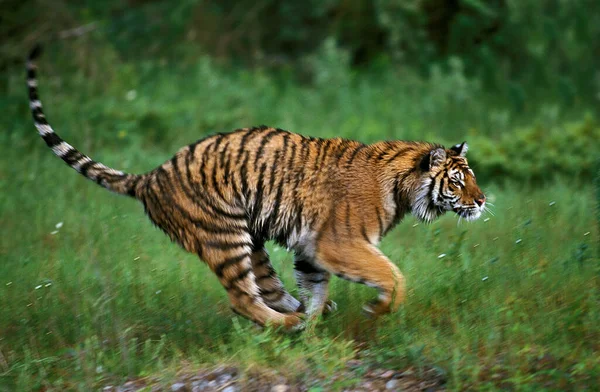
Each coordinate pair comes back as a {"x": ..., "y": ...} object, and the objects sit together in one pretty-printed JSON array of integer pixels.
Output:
[{"x": 467, "y": 213}]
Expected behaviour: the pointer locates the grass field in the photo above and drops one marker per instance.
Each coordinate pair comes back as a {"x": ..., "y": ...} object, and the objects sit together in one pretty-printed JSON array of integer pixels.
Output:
[{"x": 92, "y": 294}]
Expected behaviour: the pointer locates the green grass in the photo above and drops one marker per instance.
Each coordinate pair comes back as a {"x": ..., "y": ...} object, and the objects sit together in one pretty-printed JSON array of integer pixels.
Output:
[{"x": 106, "y": 297}]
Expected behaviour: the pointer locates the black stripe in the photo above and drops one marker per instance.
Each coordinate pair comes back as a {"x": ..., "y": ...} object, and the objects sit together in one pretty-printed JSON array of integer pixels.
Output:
[
  {"x": 242, "y": 275},
  {"x": 33, "y": 94},
  {"x": 363, "y": 232},
  {"x": 321, "y": 158},
  {"x": 228, "y": 262},
  {"x": 224, "y": 162},
  {"x": 72, "y": 156},
  {"x": 244, "y": 177},
  {"x": 277, "y": 203},
  {"x": 52, "y": 139},
  {"x": 256, "y": 209},
  {"x": 398, "y": 154},
  {"x": 278, "y": 291},
  {"x": 224, "y": 245},
  {"x": 216, "y": 185},
  {"x": 379, "y": 221},
  {"x": 341, "y": 153},
  {"x": 39, "y": 117},
  {"x": 243, "y": 142},
  {"x": 348, "y": 226},
  {"x": 215, "y": 161},
  {"x": 85, "y": 167},
  {"x": 132, "y": 192},
  {"x": 385, "y": 151},
  {"x": 354, "y": 154},
  {"x": 317, "y": 280},
  {"x": 273, "y": 171},
  {"x": 306, "y": 266},
  {"x": 266, "y": 138},
  {"x": 270, "y": 275},
  {"x": 262, "y": 263}
]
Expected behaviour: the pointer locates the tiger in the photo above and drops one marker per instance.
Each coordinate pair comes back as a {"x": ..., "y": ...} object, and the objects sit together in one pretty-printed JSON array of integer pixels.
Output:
[{"x": 330, "y": 201}]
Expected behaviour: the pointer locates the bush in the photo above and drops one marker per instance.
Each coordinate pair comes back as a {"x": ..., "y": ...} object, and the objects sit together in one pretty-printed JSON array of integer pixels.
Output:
[{"x": 538, "y": 153}]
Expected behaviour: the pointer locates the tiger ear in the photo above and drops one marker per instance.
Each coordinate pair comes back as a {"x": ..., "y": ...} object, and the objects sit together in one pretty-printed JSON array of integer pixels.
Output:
[
  {"x": 461, "y": 149},
  {"x": 436, "y": 157}
]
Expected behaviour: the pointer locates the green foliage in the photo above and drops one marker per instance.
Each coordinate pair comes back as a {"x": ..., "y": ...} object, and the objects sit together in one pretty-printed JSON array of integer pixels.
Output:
[
  {"x": 538, "y": 153},
  {"x": 498, "y": 42}
]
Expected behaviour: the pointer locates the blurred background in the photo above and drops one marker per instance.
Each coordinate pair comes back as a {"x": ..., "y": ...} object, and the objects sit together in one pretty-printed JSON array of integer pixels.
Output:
[
  {"x": 517, "y": 79},
  {"x": 91, "y": 294}
]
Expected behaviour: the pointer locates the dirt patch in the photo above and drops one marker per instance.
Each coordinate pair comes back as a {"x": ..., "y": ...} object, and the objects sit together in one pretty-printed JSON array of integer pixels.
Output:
[{"x": 353, "y": 378}]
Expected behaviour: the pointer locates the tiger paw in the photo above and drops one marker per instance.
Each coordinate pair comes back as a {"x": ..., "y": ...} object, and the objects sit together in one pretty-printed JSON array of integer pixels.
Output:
[{"x": 330, "y": 307}]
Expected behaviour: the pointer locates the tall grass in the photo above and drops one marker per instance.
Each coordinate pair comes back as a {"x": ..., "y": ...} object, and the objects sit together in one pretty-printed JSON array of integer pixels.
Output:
[{"x": 92, "y": 294}]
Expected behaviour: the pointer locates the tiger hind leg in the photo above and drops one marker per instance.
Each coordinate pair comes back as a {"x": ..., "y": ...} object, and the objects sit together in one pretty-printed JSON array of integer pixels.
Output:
[
  {"x": 271, "y": 288},
  {"x": 313, "y": 285},
  {"x": 231, "y": 261}
]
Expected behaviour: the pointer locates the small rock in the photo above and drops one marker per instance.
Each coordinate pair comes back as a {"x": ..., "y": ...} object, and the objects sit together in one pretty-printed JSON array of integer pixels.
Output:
[
  {"x": 353, "y": 363},
  {"x": 200, "y": 386},
  {"x": 178, "y": 387},
  {"x": 231, "y": 388},
  {"x": 224, "y": 378},
  {"x": 280, "y": 388},
  {"x": 108, "y": 388},
  {"x": 388, "y": 374},
  {"x": 392, "y": 385}
]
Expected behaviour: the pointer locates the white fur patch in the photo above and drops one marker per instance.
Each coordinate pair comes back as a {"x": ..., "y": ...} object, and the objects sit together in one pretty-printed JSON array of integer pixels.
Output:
[
  {"x": 44, "y": 129},
  {"x": 62, "y": 149}
]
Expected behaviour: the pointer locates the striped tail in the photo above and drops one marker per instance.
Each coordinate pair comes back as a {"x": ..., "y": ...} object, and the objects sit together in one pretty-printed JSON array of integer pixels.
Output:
[{"x": 110, "y": 179}]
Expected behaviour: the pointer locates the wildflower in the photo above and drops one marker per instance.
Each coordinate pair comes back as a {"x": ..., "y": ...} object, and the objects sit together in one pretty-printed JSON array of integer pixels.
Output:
[
  {"x": 486, "y": 220},
  {"x": 442, "y": 256},
  {"x": 518, "y": 241},
  {"x": 586, "y": 233},
  {"x": 38, "y": 287},
  {"x": 9, "y": 283},
  {"x": 484, "y": 278},
  {"x": 158, "y": 291},
  {"x": 54, "y": 232},
  {"x": 552, "y": 203},
  {"x": 59, "y": 225}
]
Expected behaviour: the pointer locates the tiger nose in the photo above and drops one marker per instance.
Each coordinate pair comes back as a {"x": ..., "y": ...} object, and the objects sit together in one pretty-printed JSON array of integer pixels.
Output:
[{"x": 480, "y": 200}]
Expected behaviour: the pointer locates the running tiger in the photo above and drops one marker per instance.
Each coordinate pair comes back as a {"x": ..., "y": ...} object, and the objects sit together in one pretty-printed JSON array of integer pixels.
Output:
[{"x": 328, "y": 200}]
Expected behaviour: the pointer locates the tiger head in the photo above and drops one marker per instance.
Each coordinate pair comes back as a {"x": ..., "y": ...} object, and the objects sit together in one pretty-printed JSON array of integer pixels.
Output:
[{"x": 448, "y": 184}]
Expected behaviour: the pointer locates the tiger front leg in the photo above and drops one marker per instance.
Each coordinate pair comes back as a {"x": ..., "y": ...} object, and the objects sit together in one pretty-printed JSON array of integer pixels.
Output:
[{"x": 361, "y": 262}]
